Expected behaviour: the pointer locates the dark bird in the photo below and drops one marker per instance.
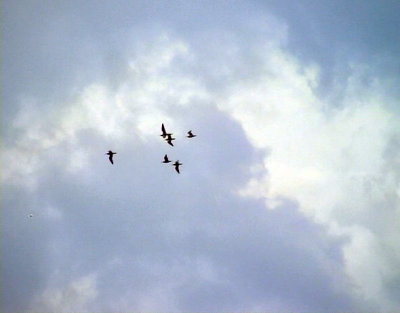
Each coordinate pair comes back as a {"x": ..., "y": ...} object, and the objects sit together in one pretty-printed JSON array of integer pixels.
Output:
[
  {"x": 31, "y": 215},
  {"x": 110, "y": 156},
  {"x": 176, "y": 164},
  {"x": 190, "y": 135},
  {"x": 164, "y": 132},
  {"x": 169, "y": 139},
  {"x": 166, "y": 159}
]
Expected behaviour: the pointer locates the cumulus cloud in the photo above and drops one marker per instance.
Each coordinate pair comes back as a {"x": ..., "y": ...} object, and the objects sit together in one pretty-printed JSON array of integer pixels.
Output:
[
  {"x": 175, "y": 246},
  {"x": 204, "y": 240},
  {"x": 339, "y": 164}
]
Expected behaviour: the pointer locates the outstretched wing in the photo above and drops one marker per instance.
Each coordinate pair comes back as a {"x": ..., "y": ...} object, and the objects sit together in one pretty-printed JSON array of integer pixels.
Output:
[
  {"x": 166, "y": 158},
  {"x": 111, "y": 158},
  {"x": 177, "y": 168},
  {"x": 170, "y": 143}
]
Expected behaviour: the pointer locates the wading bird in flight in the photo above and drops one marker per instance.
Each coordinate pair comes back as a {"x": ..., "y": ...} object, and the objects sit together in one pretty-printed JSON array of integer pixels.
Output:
[
  {"x": 110, "y": 156},
  {"x": 176, "y": 164},
  {"x": 164, "y": 132},
  {"x": 169, "y": 139},
  {"x": 166, "y": 159},
  {"x": 190, "y": 135}
]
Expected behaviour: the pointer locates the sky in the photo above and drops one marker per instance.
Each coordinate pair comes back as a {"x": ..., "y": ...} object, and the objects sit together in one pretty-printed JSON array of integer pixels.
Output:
[{"x": 288, "y": 199}]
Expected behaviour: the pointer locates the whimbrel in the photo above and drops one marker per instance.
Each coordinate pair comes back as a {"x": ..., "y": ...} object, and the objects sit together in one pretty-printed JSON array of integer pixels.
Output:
[
  {"x": 176, "y": 164},
  {"x": 110, "y": 156}
]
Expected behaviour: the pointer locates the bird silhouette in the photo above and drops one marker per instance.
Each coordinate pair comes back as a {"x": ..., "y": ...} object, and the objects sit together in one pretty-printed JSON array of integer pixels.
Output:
[
  {"x": 164, "y": 132},
  {"x": 190, "y": 135},
  {"x": 169, "y": 139},
  {"x": 166, "y": 159},
  {"x": 176, "y": 164},
  {"x": 110, "y": 155}
]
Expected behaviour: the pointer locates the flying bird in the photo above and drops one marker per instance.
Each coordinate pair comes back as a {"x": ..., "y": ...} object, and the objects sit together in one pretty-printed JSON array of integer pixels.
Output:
[
  {"x": 166, "y": 159},
  {"x": 31, "y": 215},
  {"x": 190, "y": 135},
  {"x": 169, "y": 139},
  {"x": 176, "y": 164},
  {"x": 110, "y": 156},
  {"x": 164, "y": 132}
]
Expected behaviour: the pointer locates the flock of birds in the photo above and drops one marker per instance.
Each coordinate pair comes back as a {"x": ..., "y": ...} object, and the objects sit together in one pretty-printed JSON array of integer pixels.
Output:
[{"x": 168, "y": 138}]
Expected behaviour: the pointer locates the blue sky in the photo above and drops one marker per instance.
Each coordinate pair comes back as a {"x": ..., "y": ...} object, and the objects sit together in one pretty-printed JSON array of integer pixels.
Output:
[{"x": 288, "y": 199}]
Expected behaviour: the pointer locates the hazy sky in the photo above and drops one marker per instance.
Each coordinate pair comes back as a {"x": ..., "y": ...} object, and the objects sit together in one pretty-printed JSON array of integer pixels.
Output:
[{"x": 288, "y": 199}]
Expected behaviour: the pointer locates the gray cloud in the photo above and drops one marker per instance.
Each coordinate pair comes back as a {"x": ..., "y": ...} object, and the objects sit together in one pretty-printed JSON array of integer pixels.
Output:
[
  {"x": 142, "y": 228},
  {"x": 337, "y": 34},
  {"x": 136, "y": 236}
]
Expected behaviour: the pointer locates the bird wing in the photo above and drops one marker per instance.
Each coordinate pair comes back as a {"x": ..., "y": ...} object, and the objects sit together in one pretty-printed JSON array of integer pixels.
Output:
[
  {"x": 163, "y": 129},
  {"x": 177, "y": 168},
  {"x": 111, "y": 158},
  {"x": 170, "y": 142},
  {"x": 165, "y": 158}
]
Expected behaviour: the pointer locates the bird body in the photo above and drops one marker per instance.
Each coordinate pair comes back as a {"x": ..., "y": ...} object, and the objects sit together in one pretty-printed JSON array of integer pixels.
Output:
[
  {"x": 169, "y": 139},
  {"x": 166, "y": 159},
  {"x": 176, "y": 164},
  {"x": 110, "y": 156},
  {"x": 164, "y": 132},
  {"x": 190, "y": 134}
]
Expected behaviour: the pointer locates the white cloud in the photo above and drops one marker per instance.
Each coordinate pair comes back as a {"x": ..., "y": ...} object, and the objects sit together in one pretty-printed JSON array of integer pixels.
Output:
[
  {"x": 137, "y": 108},
  {"x": 74, "y": 297},
  {"x": 332, "y": 162}
]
